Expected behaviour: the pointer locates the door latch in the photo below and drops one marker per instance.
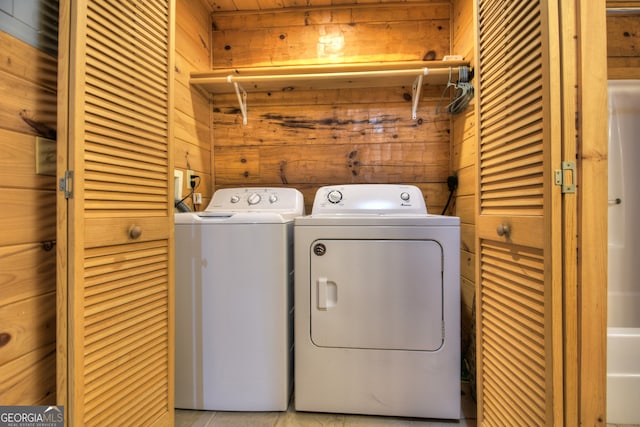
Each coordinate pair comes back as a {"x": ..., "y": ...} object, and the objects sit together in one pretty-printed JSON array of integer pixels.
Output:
[{"x": 566, "y": 177}]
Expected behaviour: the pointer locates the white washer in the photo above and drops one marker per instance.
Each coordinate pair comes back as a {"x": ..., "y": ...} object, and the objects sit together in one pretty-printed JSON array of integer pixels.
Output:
[
  {"x": 377, "y": 295},
  {"x": 234, "y": 301}
]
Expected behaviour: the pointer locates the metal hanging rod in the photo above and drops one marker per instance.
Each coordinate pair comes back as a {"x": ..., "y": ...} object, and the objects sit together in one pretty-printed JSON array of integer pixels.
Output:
[{"x": 623, "y": 11}]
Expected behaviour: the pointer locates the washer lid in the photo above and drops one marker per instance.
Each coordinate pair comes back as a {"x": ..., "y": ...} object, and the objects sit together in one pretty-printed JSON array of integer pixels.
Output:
[
  {"x": 211, "y": 218},
  {"x": 369, "y": 199}
]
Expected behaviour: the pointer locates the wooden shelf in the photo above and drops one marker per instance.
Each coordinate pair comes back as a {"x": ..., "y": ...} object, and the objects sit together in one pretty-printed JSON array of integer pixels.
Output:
[{"x": 333, "y": 76}]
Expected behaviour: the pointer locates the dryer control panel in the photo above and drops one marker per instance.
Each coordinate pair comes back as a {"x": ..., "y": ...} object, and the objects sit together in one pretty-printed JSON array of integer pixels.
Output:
[{"x": 369, "y": 199}]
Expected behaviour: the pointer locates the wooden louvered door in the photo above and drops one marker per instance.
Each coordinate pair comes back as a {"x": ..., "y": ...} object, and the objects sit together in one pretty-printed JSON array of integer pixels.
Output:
[
  {"x": 519, "y": 291},
  {"x": 115, "y": 271}
]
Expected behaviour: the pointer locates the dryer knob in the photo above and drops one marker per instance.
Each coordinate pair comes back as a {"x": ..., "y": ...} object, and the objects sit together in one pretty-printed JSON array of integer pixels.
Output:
[
  {"x": 334, "y": 196},
  {"x": 405, "y": 196},
  {"x": 235, "y": 198},
  {"x": 273, "y": 198},
  {"x": 254, "y": 199}
]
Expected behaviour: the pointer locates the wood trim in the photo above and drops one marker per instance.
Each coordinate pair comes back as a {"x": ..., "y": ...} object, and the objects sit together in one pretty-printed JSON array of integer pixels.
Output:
[
  {"x": 556, "y": 120},
  {"x": 62, "y": 270},
  {"x": 568, "y": 31},
  {"x": 171, "y": 88},
  {"x": 592, "y": 212}
]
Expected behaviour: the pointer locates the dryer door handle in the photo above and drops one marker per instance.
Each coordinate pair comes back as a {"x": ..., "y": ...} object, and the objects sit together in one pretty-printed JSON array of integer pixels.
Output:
[{"x": 327, "y": 293}]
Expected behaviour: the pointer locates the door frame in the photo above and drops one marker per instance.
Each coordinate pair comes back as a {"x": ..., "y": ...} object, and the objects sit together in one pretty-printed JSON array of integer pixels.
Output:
[{"x": 591, "y": 221}]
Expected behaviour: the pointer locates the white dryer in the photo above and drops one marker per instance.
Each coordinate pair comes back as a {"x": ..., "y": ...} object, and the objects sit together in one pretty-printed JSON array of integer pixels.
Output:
[
  {"x": 234, "y": 301},
  {"x": 377, "y": 296}
]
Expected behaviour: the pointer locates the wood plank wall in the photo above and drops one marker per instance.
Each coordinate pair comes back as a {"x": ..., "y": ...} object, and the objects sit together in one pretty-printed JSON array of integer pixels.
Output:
[
  {"x": 27, "y": 220},
  {"x": 192, "y": 143},
  {"x": 623, "y": 41},
  {"x": 463, "y": 162},
  {"x": 307, "y": 139}
]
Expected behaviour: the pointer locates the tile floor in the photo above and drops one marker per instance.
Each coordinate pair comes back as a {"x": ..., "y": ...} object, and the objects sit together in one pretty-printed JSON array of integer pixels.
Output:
[{"x": 291, "y": 418}]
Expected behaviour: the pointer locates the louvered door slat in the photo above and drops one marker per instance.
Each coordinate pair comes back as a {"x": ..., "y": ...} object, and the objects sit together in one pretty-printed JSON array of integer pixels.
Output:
[
  {"x": 514, "y": 290},
  {"x": 126, "y": 190},
  {"x": 519, "y": 137},
  {"x": 513, "y": 88},
  {"x": 100, "y": 152},
  {"x": 122, "y": 183},
  {"x": 527, "y": 351},
  {"x": 120, "y": 86},
  {"x": 510, "y": 319},
  {"x": 524, "y": 320},
  {"x": 490, "y": 18},
  {"x": 512, "y": 368},
  {"x": 133, "y": 144},
  {"x": 139, "y": 60},
  {"x": 101, "y": 410},
  {"x": 122, "y": 64},
  {"x": 120, "y": 121},
  {"x": 144, "y": 53},
  {"x": 151, "y": 18},
  {"x": 122, "y": 107},
  {"x": 136, "y": 350},
  {"x": 518, "y": 413},
  {"x": 117, "y": 171},
  {"x": 513, "y": 119},
  {"x": 521, "y": 157},
  {"x": 122, "y": 82},
  {"x": 122, "y": 117}
]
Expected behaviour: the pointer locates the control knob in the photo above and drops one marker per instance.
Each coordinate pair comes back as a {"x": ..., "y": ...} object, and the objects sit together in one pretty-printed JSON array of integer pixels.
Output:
[
  {"x": 405, "y": 196},
  {"x": 254, "y": 199},
  {"x": 334, "y": 196},
  {"x": 273, "y": 198},
  {"x": 235, "y": 198}
]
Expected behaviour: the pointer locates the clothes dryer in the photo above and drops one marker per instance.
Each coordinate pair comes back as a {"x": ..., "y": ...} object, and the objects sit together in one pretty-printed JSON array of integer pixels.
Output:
[
  {"x": 377, "y": 296},
  {"x": 234, "y": 301}
]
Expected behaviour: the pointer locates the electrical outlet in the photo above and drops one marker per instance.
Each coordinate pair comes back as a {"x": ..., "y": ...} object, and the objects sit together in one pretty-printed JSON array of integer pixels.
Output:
[
  {"x": 190, "y": 173},
  {"x": 197, "y": 198}
]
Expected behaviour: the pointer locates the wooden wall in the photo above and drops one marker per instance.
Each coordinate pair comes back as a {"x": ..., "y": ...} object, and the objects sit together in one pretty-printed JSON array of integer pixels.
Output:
[
  {"x": 27, "y": 220},
  {"x": 623, "y": 41},
  {"x": 306, "y": 139},
  {"x": 463, "y": 163},
  {"x": 192, "y": 143}
]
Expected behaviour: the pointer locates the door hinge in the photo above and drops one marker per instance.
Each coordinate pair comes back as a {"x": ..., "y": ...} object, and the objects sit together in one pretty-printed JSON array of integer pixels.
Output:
[
  {"x": 66, "y": 184},
  {"x": 566, "y": 177}
]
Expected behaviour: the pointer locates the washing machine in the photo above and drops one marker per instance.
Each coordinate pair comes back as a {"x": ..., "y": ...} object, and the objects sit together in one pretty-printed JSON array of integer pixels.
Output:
[
  {"x": 377, "y": 296},
  {"x": 234, "y": 301}
]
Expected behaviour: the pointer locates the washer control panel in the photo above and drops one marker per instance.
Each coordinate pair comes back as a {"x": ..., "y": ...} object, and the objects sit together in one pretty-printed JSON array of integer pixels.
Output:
[
  {"x": 253, "y": 199},
  {"x": 375, "y": 199}
]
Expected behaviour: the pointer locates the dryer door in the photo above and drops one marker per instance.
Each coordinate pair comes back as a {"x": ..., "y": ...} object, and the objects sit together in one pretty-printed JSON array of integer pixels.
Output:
[{"x": 377, "y": 294}]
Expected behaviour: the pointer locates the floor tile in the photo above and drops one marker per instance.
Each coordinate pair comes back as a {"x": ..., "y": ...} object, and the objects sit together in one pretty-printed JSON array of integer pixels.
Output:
[{"x": 293, "y": 418}]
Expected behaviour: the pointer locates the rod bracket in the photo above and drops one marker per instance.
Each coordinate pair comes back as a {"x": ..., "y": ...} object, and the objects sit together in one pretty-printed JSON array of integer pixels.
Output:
[
  {"x": 242, "y": 98},
  {"x": 415, "y": 92}
]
